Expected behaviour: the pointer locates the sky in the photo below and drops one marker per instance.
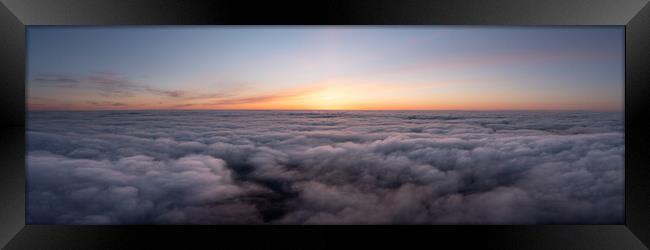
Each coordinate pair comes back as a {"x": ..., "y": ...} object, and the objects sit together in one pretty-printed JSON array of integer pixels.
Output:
[{"x": 326, "y": 68}]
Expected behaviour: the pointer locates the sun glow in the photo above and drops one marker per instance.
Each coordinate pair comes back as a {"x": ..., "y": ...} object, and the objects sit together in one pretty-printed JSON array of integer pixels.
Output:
[
  {"x": 333, "y": 98},
  {"x": 360, "y": 69}
]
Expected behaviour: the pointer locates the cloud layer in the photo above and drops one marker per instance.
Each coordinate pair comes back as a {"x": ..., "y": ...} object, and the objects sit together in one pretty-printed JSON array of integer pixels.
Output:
[{"x": 300, "y": 167}]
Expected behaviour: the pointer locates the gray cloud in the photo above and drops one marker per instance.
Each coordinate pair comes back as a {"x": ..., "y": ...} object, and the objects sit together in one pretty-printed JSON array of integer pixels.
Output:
[
  {"x": 106, "y": 84},
  {"x": 111, "y": 85},
  {"x": 206, "y": 167},
  {"x": 112, "y": 104},
  {"x": 55, "y": 78},
  {"x": 168, "y": 93},
  {"x": 56, "y": 81}
]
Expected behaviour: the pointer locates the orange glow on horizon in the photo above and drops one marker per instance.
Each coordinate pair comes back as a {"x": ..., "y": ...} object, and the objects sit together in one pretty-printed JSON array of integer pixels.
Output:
[{"x": 346, "y": 94}]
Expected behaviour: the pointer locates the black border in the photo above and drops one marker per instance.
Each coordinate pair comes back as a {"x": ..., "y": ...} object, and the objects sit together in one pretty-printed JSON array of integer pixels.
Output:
[{"x": 634, "y": 14}]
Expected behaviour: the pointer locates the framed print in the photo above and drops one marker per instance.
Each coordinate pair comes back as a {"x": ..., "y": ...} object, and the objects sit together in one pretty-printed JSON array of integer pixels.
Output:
[{"x": 158, "y": 123}]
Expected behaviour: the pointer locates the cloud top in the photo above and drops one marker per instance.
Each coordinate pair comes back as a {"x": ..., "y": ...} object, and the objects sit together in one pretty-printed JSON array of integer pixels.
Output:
[{"x": 320, "y": 167}]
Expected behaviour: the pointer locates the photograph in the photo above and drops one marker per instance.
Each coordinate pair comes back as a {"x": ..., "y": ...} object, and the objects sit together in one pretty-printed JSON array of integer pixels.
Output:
[{"x": 325, "y": 125}]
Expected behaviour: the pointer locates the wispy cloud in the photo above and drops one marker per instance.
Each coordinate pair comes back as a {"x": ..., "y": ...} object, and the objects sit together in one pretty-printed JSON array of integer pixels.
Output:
[
  {"x": 167, "y": 93},
  {"x": 113, "y": 104},
  {"x": 56, "y": 80},
  {"x": 476, "y": 61},
  {"x": 242, "y": 98},
  {"x": 104, "y": 84},
  {"x": 282, "y": 95},
  {"x": 111, "y": 86}
]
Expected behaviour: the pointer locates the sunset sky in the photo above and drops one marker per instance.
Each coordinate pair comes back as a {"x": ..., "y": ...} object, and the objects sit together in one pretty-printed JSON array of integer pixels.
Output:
[{"x": 326, "y": 67}]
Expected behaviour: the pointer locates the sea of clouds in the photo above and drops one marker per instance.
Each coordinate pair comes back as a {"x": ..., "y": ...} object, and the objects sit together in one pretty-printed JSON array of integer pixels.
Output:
[{"x": 325, "y": 167}]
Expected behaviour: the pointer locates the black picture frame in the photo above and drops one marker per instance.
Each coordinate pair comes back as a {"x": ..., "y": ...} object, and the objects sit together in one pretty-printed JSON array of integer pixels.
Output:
[{"x": 15, "y": 15}]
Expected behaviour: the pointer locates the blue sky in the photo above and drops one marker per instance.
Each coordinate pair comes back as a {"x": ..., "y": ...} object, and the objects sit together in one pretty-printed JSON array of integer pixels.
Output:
[{"x": 325, "y": 67}]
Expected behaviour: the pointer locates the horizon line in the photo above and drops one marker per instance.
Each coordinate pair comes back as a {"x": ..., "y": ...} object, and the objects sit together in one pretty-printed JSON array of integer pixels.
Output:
[{"x": 91, "y": 110}]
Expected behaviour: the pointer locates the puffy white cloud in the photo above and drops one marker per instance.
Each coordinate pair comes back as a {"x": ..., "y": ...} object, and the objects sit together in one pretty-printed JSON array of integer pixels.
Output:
[
  {"x": 206, "y": 167},
  {"x": 134, "y": 189}
]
